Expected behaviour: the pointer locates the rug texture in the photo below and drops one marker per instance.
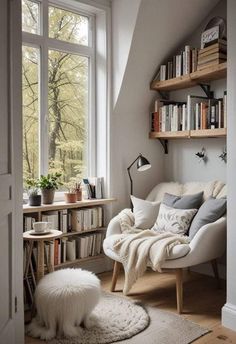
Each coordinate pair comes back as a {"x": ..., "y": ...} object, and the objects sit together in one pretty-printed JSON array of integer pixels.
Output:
[
  {"x": 115, "y": 318},
  {"x": 119, "y": 319}
]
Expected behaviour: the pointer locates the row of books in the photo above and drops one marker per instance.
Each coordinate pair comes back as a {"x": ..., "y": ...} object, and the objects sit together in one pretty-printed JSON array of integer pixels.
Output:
[
  {"x": 69, "y": 220},
  {"x": 197, "y": 113},
  {"x": 181, "y": 64},
  {"x": 69, "y": 249}
]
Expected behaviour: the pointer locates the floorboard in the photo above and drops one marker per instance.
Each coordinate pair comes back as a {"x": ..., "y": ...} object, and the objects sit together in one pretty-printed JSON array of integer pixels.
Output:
[{"x": 202, "y": 301}]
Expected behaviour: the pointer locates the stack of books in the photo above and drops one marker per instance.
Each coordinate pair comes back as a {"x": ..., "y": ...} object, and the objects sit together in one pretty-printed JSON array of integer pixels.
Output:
[
  {"x": 86, "y": 219},
  {"x": 212, "y": 55}
]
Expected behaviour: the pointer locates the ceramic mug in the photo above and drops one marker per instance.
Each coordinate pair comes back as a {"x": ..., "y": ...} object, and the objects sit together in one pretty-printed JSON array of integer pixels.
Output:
[{"x": 40, "y": 227}]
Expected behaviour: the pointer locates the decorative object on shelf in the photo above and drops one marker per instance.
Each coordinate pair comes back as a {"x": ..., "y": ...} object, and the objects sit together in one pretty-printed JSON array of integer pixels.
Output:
[
  {"x": 214, "y": 30},
  {"x": 48, "y": 184},
  {"x": 142, "y": 165},
  {"x": 78, "y": 190},
  {"x": 71, "y": 194},
  {"x": 33, "y": 191},
  {"x": 202, "y": 155},
  {"x": 223, "y": 155}
]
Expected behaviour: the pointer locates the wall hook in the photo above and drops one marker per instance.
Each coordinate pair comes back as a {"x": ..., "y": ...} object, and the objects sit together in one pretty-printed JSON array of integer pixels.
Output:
[
  {"x": 223, "y": 155},
  {"x": 202, "y": 155}
]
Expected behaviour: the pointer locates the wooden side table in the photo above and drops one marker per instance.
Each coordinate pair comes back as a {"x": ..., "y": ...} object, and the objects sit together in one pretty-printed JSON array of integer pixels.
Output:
[{"x": 40, "y": 239}]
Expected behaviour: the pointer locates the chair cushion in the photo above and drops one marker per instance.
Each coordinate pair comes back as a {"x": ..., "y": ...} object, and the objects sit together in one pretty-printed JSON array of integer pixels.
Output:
[
  {"x": 177, "y": 251},
  {"x": 145, "y": 212},
  {"x": 174, "y": 220},
  {"x": 210, "y": 211},
  {"x": 184, "y": 202}
]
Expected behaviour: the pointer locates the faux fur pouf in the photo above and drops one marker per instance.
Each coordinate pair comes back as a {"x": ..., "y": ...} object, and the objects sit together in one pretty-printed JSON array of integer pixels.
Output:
[{"x": 64, "y": 300}]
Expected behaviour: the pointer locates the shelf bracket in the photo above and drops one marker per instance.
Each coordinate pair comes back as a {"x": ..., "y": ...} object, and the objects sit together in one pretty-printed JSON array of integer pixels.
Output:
[
  {"x": 164, "y": 95},
  {"x": 207, "y": 90},
  {"x": 164, "y": 144}
]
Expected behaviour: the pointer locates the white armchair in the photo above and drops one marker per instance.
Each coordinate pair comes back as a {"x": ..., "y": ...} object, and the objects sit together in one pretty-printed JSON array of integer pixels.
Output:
[{"x": 207, "y": 245}]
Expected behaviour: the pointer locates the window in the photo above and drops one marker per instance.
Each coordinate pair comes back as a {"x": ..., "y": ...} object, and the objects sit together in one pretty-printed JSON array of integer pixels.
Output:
[{"x": 58, "y": 90}]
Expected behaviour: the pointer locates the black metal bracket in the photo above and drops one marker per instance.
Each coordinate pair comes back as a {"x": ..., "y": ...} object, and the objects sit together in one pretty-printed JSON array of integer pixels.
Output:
[
  {"x": 207, "y": 90},
  {"x": 164, "y": 144},
  {"x": 164, "y": 95}
]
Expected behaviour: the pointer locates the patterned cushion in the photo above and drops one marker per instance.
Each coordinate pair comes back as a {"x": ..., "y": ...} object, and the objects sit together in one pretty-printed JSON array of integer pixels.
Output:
[{"x": 174, "y": 220}]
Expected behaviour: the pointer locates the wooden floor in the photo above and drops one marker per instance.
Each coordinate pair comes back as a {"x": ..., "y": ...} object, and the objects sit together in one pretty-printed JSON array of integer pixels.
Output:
[{"x": 202, "y": 301}]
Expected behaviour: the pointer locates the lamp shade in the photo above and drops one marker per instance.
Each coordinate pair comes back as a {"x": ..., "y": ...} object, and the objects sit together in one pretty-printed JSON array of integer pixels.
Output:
[{"x": 143, "y": 164}]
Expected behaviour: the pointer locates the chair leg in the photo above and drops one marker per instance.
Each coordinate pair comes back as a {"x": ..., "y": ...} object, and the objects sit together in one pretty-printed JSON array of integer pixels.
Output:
[
  {"x": 216, "y": 273},
  {"x": 116, "y": 270},
  {"x": 179, "y": 289}
]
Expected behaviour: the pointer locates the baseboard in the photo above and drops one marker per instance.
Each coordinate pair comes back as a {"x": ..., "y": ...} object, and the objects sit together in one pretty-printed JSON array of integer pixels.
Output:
[
  {"x": 206, "y": 269},
  {"x": 229, "y": 316}
]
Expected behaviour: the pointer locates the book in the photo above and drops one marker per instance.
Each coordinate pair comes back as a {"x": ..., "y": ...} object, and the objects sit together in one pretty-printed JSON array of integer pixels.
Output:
[
  {"x": 191, "y": 108},
  {"x": 77, "y": 220},
  {"x": 211, "y": 57},
  {"x": 71, "y": 250},
  {"x": 210, "y": 64},
  {"x": 225, "y": 109}
]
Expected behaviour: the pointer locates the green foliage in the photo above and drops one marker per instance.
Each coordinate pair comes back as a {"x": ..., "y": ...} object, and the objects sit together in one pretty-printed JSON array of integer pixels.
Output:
[
  {"x": 32, "y": 186},
  {"x": 50, "y": 181}
]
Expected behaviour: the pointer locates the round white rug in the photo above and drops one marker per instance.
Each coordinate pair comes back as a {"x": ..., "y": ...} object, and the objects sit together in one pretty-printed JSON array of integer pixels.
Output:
[{"x": 115, "y": 318}]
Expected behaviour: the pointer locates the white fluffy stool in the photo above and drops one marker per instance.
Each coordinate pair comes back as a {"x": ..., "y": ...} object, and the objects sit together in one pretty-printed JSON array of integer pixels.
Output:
[{"x": 64, "y": 300}]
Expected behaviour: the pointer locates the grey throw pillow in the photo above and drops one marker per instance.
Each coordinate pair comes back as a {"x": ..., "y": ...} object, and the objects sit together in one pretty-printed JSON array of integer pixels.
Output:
[
  {"x": 211, "y": 210},
  {"x": 183, "y": 202}
]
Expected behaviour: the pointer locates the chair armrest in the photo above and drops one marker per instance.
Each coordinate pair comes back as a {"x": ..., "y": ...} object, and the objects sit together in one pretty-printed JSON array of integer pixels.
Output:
[
  {"x": 114, "y": 226},
  {"x": 209, "y": 243},
  {"x": 210, "y": 239}
]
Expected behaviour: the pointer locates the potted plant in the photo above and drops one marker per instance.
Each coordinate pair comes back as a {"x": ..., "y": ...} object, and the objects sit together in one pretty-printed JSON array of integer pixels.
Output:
[
  {"x": 48, "y": 184},
  {"x": 32, "y": 191},
  {"x": 71, "y": 194}
]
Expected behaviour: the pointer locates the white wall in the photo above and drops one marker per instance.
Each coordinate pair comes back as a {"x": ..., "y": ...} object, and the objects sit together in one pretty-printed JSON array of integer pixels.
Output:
[
  {"x": 181, "y": 164},
  {"x": 229, "y": 310},
  {"x": 153, "y": 40},
  {"x": 124, "y": 15}
]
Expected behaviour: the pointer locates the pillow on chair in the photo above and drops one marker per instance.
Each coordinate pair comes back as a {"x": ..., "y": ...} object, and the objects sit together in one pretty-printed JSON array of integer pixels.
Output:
[
  {"x": 211, "y": 210},
  {"x": 145, "y": 212},
  {"x": 174, "y": 220},
  {"x": 184, "y": 202}
]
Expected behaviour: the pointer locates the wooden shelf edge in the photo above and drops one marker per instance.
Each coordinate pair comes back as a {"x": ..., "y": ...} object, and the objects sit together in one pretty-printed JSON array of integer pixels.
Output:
[
  {"x": 63, "y": 205},
  {"x": 103, "y": 229},
  {"x": 207, "y": 133},
  {"x": 169, "y": 135},
  {"x": 81, "y": 260},
  {"x": 189, "y": 134},
  {"x": 208, "y": 74}
]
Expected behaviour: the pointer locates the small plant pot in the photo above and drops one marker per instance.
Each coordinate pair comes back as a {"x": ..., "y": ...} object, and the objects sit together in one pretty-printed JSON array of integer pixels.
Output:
[
  {"x": 48, "y": 196},
  {"x": 70, "y": 197},
  {"x": 34, "y": 200},
  {"x": 79, "y": 194}
]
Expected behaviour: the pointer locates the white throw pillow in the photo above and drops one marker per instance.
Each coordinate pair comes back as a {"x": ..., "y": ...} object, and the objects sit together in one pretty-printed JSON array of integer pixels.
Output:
[
  {"x": 145, "y": 212},
  {"x": 174, "y": 220}
]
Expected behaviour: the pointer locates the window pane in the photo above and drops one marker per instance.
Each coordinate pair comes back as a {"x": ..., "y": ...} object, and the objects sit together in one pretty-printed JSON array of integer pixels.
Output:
[
  {"x": 68, "y": 26},
  {"x": 68, "y": 114},
  {"x": 30, "y": 78},
  {"x": 30, "y": 16}
]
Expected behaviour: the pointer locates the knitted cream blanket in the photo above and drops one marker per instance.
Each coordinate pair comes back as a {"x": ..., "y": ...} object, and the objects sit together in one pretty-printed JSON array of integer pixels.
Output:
[{"x": 137, "y": 250}]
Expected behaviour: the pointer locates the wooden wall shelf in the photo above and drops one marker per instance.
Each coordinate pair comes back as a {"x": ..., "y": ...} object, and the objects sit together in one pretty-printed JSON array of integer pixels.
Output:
[
  {"x": 188, "y": 134},
  {"x": 192, "y": 79}
]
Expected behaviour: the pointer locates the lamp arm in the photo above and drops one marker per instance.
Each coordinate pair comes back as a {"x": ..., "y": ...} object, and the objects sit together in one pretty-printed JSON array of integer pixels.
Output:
[{"x": 128, "y": 169}]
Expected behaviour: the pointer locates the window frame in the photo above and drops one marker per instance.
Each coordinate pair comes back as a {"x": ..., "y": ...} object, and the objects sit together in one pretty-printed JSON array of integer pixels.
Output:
[{"x": 44, "y": 43}]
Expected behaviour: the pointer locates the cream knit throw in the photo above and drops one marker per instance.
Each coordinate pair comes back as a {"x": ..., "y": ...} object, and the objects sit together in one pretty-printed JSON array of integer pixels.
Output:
[{"x": 147, "y": 246}]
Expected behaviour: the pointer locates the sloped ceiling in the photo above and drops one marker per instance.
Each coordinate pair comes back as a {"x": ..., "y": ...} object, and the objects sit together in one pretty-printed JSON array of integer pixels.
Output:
[{"x": 161, "y": 27}]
